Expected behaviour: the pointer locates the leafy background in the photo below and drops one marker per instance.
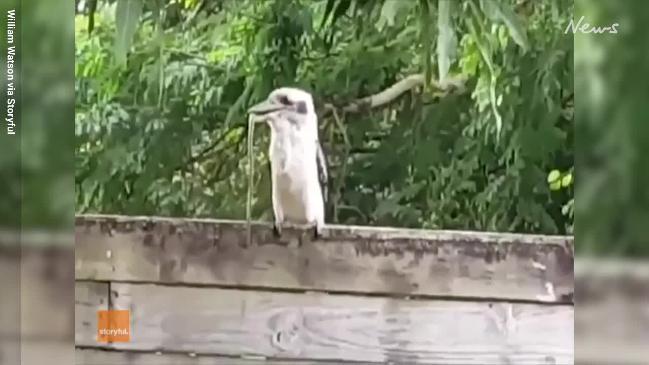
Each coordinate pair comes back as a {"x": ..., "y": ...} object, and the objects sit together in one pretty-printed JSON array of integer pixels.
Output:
[
  {"x": 613, "y": 148},
  {"x": 162, "y": 88}
]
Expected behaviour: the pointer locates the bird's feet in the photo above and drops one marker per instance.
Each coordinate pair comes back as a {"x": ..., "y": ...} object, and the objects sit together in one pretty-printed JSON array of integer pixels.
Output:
[
  {"x": 277, "y": 230},
  {"x": 318, "y": 230}
]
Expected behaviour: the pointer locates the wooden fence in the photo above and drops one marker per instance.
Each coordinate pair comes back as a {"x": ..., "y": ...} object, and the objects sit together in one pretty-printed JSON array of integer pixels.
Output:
[{"x": 200, "y": 294}]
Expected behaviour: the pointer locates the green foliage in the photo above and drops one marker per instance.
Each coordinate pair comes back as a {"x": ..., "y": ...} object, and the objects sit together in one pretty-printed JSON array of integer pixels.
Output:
[
  {"x": 498, "y": 11},
  {"x": 446, "y": 40},
  {"x": 166, "y": 134},
  {"x": 127, "y": 18},
  {"x": 613, "y": 153}
]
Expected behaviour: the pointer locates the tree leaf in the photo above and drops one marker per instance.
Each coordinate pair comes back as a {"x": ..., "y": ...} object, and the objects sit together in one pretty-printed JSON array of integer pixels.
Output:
[
  {"x": 498, "y": 11},
  {"x": 127, "y": 17},
  {"x": 158, "y": 10},
  {"x": 446, "y": 40},
  {"x": 426, "y": 39},
  {"x": 92, "y": 9},
  {"x": 553, "y": 176},
  {"x": 328, "y": 9},
  {"x": 566, "y": 180},
  {"x": 485, "y": 51},
  {"x": 556, "y": 185},
  {"x": 473, "y": 24},
  {"x": 341, "y": 9},
  {"x": 494, "y": 106},
  {"x": 389, "y": 12}
]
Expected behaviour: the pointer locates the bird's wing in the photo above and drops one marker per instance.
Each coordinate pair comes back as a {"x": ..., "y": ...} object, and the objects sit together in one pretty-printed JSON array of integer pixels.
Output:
[{"x": 322, "y": 170}]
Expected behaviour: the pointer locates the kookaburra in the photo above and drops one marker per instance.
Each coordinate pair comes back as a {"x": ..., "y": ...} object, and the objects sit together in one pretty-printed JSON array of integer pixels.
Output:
[{"x": 297, "y": 162}]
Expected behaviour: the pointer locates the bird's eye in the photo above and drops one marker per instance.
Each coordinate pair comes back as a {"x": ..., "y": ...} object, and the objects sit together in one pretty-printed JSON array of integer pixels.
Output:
[{"x": 284, "y": 100}]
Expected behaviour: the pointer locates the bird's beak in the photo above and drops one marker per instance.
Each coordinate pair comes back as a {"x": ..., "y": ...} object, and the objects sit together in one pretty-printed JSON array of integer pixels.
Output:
[{"x": 265, "y": 107}]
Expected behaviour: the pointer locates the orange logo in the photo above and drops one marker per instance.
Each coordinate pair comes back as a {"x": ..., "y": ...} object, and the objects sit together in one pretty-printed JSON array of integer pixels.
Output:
[{"x": 113, "y": 326}]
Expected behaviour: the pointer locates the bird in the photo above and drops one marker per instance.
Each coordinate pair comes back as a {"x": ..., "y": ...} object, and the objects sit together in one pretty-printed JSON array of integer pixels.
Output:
[{"x": 297, "y": 161}]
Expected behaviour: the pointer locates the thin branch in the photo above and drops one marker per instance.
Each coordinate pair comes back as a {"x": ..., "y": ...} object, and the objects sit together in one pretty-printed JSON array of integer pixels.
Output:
[
  {"x": 204, "y": 152},
  {"x": 341, "y": 128}
]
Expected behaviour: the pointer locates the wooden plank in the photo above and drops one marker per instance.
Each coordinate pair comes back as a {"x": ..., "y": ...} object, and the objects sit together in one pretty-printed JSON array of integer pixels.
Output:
[
  {"x": 89, "y": 297},
  {"x": 346, "y": 259},
  {"x": 90, "y": 356},
  {"x": 340, "y": 327}
]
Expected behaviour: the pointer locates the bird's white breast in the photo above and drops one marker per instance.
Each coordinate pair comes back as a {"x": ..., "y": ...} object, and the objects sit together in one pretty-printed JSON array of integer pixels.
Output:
[{"x": 294, "y": 169}]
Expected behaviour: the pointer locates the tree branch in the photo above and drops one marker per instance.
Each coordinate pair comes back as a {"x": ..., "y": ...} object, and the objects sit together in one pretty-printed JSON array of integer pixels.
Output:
[
  {"x": 393, "y": 92},
  {"x": 205, "y": 151}
]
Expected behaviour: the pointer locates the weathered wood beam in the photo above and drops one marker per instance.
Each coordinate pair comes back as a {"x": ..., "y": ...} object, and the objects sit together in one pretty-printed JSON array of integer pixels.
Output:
[
  {"x": 348, "y": 259},
  {"x": 89, "y": 297},
  {"x": 317, "y": 326},
  {"x": 93, "y": 356}
]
